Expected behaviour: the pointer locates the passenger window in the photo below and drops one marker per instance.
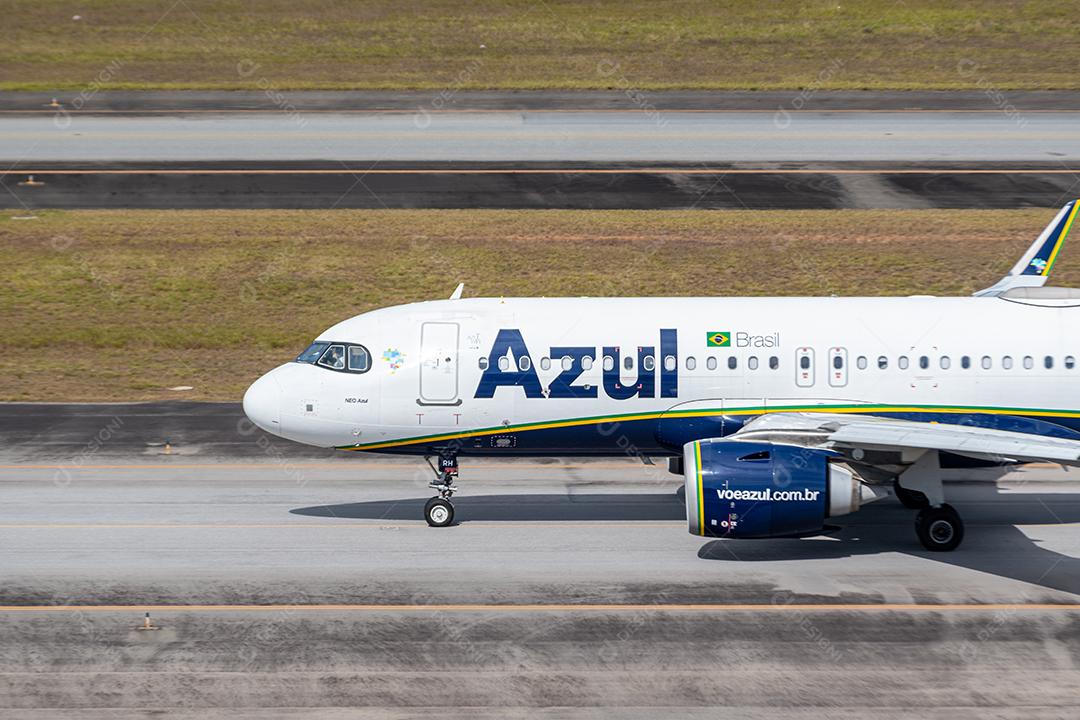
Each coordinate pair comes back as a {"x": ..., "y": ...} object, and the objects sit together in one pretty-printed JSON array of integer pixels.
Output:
[
  {"x": 1029, "y": 362},
  {"x": 1070, "y": 362},
  {"x": 732, "y": 363},
  {"x": 944, "y": 362},
  {"x": 924, "y": 362},
  {"x": 313, "y": 352},
  {"x": 710, "y": 363},
  {"x": 902, "y": 362},
  {"x": 882, "y": 362},
  {"x": 774, "y": 362},
  {"x": 545, "y": 363},
  {"x": 987, "y": 363},
  {"x": 483, "y": 363},
  {"x": 504, "y": 363},
  {"x": 359, "y": 360},
  {"x": 752, "y": 362},
  {"x": 334, "y": 357},
  {"x": 649, "y": 363},
  {"x": 861, "y": 362},
  {"x": 1006, "y": 362},
  {"x": 804, "y": 362},
  {"x": 609, "y": 362},
  {"x": 567, "y": 362},
  {"x": 628, "y": 362},
  {"x": 1048, "y": 362},
  {"x": 965, "y": 362},
  {"x": 691, "y": 363},
  {"x": 670, "y": 363},
  {"x": 524, "y": 362},
  {"x": 586, "y": 363},
  {"x": 838, "y": 362}
]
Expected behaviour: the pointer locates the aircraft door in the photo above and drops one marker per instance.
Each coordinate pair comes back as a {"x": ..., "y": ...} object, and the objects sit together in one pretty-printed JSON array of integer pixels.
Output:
[{"x": 439, "y": 363}]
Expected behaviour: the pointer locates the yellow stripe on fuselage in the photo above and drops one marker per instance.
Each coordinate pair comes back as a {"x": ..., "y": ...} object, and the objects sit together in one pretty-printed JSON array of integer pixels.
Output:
[{"x": 711, "y": 412}]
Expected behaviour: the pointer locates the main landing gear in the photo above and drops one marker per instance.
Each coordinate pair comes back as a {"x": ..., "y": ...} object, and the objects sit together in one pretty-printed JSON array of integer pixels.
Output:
[
  {"x": 439, "y": 511},
  {"x": 939, "y": 528},
  {"x": 937, "y": 525}
]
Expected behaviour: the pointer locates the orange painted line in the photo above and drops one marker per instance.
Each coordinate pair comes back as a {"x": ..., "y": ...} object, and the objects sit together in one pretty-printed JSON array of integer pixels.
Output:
[
  {"x": 135, "y": 112},
  {"x": 778, "y": 607},
  {"x": 556, "y": 171}
]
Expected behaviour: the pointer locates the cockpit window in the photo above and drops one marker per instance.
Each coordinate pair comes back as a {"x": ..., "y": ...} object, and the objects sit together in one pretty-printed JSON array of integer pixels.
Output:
[
  {"x": 359, "y": 360},
  {"x": 312, "y": 353},
  {"x": 334, "y": 357},
  {"x": 344, "y": 357}
]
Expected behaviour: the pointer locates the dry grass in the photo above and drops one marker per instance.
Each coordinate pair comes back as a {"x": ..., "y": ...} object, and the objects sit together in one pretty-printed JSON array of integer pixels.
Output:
[
  {"x": 527, "y": 44},
  {"x": 111, "y": 305}
]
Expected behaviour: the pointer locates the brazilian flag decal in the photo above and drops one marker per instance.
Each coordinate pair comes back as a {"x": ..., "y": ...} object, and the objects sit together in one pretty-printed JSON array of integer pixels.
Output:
[{"x": 718, "y": 338}]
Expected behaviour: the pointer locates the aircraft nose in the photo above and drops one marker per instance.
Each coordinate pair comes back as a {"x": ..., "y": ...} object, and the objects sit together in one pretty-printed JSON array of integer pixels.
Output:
[{"x": 262, "y": 403}]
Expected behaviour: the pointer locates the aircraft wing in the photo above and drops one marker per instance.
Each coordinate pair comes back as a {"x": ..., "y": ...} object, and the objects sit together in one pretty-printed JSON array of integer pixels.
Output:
[{"x": 874, "y": 432}]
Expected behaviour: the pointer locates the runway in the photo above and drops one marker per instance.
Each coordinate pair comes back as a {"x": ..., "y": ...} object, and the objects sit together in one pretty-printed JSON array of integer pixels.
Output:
[
  {"x": 378, "y": 185},
  {"x": 530, "y": 136},
  {"x": 281, "y": 579},
  {"x": 608, "y": 158}
]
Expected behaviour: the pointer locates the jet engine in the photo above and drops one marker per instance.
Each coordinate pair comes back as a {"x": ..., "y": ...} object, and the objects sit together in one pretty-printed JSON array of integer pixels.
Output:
[{"x": 738, "y": 489}]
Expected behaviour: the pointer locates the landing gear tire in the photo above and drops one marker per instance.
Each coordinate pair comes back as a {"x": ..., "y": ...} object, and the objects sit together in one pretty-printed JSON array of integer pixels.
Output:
[
  {"x": 940, "y": 529},
  {"x": 911, "y": 499},
  {"x": 439, "y": 512}
]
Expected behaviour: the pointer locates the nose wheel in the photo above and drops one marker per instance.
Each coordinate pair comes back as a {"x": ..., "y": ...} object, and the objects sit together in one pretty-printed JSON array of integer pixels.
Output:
[{"x": 439, "y": 511}]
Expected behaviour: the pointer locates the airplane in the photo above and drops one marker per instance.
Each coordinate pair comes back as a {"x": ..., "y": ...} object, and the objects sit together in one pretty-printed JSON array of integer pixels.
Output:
[{"x": 780, "y": 413}]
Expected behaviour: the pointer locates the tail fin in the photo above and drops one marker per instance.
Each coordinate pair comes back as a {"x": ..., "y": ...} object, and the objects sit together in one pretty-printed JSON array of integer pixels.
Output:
[{"x": 1033, "y": 267}]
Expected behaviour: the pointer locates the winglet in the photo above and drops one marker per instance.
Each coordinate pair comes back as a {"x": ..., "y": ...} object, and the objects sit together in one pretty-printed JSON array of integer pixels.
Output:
[
  {"x": 1032, "y": 269},
  {"x": 457, "y": 291}
]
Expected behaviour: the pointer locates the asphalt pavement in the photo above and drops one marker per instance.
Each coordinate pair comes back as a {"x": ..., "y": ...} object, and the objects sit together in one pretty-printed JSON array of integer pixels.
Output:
[
  {"x": 280, "y": 578},
  {"x": 530, "y": 136}
]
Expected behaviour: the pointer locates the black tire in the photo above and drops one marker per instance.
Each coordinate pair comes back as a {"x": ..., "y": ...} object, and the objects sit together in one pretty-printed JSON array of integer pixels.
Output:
[
  {"x": 911, "y": 499},
  {"x": 939, "y": 529},
  {"x": 439, "y": 512}
]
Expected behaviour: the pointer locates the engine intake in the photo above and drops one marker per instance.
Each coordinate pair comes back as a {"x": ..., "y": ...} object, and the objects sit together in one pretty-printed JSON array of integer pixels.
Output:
[{"x": 741, "y": 489}]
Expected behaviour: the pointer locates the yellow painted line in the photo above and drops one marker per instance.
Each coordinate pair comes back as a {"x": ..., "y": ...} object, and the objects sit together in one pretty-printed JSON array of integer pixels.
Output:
[
  {"x": 554, "y": 171},
  {"x": 343, "y": 523},
  {"x": 779, "y": 607},
  {"x": 350, "y": 464}
]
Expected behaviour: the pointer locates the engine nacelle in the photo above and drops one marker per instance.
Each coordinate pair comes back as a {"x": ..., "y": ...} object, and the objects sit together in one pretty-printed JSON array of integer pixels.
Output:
[{"x": 741, "y": 489}]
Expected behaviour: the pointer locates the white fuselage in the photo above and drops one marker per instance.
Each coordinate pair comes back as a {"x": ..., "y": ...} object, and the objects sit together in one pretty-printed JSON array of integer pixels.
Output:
[{"x": 453, "y": 371}]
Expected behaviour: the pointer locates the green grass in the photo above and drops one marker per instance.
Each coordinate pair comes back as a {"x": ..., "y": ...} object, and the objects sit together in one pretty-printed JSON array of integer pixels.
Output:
[
  {"x": 290, "y": 44},
  {"x": 121, "y": 305}
]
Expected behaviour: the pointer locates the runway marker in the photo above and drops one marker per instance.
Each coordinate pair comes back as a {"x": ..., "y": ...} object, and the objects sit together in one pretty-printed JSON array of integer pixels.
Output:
[{"x": 780, "y": 608}]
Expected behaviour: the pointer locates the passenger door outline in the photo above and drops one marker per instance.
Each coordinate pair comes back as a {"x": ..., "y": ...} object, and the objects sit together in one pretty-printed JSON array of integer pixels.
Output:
[{"x": 439, "y": 363}]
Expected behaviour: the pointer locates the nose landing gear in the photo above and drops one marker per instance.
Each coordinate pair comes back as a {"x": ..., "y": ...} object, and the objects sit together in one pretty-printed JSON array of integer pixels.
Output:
[{"x": 439, "y": 511}]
